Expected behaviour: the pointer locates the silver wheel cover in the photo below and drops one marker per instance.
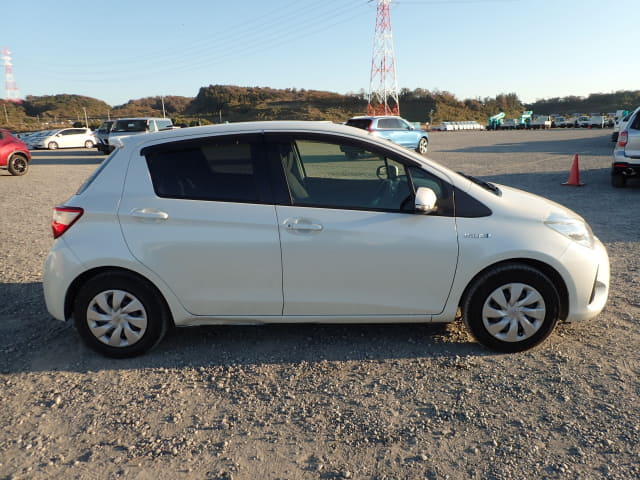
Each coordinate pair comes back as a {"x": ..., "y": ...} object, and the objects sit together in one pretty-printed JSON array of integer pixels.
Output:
[
  {"x": 116, "y": 318},
  {"x": 514, "y": 312}
]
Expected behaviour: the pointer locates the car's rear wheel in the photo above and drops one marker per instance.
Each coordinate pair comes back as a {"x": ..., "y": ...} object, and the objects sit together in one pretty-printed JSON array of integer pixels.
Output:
[
  {"x": 88, "y": 144},
  {"x": 120, "y": 315},
  {"x": 423, "y": 146},
  {"x": 52, "y": 146},
  {"x": 17, "y": 164},
  {"x": 511, "y": 308},
  {"x": 618, "y": 181}
]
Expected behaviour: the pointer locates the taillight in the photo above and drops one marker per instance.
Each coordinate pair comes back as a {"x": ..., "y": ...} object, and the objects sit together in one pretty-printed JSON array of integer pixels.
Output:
[
  {"x": 63, "y": 218},
  {"x": 623, "y": 137}
]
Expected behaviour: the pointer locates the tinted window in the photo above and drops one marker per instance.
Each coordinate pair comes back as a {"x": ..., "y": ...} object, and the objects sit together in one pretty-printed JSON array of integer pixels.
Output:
[
  {"x": 362, "y": 123},
  {"x": 205, "y": 171},
  {"x": 130, "y": 126},
  {"x": 636, "y": 122}
]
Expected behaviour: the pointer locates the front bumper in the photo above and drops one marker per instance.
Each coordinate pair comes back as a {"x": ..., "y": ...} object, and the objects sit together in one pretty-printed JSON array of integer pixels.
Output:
[{"x": 589, "y": 290}]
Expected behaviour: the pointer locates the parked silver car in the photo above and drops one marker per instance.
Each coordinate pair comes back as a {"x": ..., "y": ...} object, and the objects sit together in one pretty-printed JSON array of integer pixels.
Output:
[
  {"x": 276, "y": 222},
  {"x": 65, "y": 138},
  {"x": 102, "y": 136},
  {"x": 626, "y": 155}
]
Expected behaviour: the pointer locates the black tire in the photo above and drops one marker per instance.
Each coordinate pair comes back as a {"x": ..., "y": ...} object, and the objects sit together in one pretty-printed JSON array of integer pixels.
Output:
[
  {"x": 618, "y": 181},
  {"x": 88, "y": 144},
  {"x": 423, "y": 146},
  {"x": 119, "y": 308},
  {"x": 500, "y": 321},
  {"x": 17, "y": 164},
  {"x": 52, "y": 146}
]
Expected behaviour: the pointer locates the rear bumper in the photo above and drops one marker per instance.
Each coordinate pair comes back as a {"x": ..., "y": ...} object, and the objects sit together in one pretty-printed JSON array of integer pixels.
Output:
[{"x": 623, "y": 165}]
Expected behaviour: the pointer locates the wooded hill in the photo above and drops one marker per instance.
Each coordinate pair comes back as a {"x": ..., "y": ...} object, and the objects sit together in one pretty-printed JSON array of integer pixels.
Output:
[{"x": 220, "y": 103}]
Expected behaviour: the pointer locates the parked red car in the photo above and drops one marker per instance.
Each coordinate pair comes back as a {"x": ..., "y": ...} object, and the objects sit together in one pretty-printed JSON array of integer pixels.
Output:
[{"x": 14, "y": 154}]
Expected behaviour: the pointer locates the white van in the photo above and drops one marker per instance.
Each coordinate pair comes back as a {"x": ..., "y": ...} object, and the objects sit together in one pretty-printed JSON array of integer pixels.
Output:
[{"x": 126, "y": 127}]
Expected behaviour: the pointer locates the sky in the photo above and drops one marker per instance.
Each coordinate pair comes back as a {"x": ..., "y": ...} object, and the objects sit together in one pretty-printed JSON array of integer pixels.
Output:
[{"x": 119, "y": 50}]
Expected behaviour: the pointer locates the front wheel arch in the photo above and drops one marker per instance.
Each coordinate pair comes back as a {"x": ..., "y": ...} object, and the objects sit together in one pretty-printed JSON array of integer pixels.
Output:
[
  {"x": 511, "y": 307},
  {"x": 546, "y": 269}
]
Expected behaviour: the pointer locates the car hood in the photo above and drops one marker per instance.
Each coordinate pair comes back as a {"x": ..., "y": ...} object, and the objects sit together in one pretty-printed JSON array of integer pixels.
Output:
[{"x": 524, "y": 204}]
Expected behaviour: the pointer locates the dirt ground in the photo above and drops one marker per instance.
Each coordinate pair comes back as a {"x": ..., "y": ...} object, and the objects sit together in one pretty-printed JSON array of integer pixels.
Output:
[{"x": 329, "y": 402}]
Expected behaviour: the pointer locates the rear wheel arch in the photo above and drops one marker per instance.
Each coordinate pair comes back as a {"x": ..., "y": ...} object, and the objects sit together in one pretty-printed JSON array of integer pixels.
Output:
[{"x": 76, "y": 285}]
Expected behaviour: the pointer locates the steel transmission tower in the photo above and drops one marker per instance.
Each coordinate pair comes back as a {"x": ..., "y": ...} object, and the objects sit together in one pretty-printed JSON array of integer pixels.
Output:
[
  {"x": 10, "y": 84},
  {"x": 383, "y": 86}
]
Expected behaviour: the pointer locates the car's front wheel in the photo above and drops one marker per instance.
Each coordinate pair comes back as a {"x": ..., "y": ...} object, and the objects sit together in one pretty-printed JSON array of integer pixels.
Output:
[
  {"x": 17, "y": 164},
  {"x": 120, "y": 315},
  {"x": 423, "y": 146},
  {"x": 52, "y": 146},
  {"x": 511, "y": 308}
]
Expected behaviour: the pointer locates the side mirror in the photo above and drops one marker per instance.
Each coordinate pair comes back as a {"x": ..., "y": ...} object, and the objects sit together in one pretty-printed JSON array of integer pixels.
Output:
[{"x": 425, "y": 201}]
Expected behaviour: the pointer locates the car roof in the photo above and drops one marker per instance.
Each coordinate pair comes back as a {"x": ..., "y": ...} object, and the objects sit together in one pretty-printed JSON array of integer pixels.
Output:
[
  {"x": 143, "y": 118},
  {"x": 247, "y": 127},
  {"x": 372, "y": 117}
]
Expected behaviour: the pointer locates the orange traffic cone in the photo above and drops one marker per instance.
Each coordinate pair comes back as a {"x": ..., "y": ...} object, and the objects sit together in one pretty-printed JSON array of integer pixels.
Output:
[{"x": 574, "y": 174}]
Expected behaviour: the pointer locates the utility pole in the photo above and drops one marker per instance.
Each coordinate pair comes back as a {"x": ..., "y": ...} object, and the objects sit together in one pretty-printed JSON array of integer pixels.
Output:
[
  {"x": 383, "y": 85},
  {"x": 10, "y": 84}
]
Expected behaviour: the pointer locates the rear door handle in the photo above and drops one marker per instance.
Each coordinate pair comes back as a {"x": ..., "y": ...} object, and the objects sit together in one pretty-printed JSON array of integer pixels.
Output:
[
  {"x": 305, "y": 227},
  {"x": 149, "y": 214}
]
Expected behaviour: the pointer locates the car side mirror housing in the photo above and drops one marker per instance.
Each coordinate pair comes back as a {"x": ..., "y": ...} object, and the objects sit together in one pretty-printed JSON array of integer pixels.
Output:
[{"x": 425, "y": 201}]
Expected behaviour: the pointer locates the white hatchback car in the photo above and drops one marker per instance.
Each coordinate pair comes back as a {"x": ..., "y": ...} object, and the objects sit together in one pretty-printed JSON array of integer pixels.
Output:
[
  {"x": 66, "y": 138},
  {"x": 278, "y": 222}
]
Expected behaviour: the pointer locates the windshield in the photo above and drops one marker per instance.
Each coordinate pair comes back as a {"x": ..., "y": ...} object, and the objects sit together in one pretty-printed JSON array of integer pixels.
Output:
[{"x": 130, "y": 126}]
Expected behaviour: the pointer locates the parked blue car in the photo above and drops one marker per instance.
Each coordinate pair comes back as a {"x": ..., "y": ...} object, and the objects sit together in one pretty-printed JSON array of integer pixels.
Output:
[{"x": 396, "y": 129}]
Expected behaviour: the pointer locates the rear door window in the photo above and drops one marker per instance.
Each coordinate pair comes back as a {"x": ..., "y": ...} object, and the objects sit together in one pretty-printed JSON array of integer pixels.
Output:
[{"x": 214, "y": 170}]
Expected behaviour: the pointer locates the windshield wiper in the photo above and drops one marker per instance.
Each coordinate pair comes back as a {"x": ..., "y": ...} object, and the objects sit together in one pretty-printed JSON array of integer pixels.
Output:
[{"x": 486, "y": 185}]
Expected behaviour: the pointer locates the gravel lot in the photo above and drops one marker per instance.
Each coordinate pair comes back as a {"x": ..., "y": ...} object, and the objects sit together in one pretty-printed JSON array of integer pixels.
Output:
[{"x": 329, "y": 402}]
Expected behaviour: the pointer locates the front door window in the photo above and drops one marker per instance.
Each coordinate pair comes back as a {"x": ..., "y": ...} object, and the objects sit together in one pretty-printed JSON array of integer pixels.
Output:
[{"x": 342, "y": 176}]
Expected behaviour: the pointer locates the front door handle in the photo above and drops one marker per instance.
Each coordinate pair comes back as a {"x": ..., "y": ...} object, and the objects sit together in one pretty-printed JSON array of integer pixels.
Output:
[{"x": 302, "y": 225}]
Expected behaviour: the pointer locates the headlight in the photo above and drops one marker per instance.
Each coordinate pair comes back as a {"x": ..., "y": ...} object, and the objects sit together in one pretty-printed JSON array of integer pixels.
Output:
[{"x": 572, "y": 228}]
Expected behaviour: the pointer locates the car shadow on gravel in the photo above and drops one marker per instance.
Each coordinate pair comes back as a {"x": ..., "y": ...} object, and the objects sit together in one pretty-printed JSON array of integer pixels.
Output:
[
  {"x": 43, "y": 344},
  {"x": 595, "y": 200}
]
